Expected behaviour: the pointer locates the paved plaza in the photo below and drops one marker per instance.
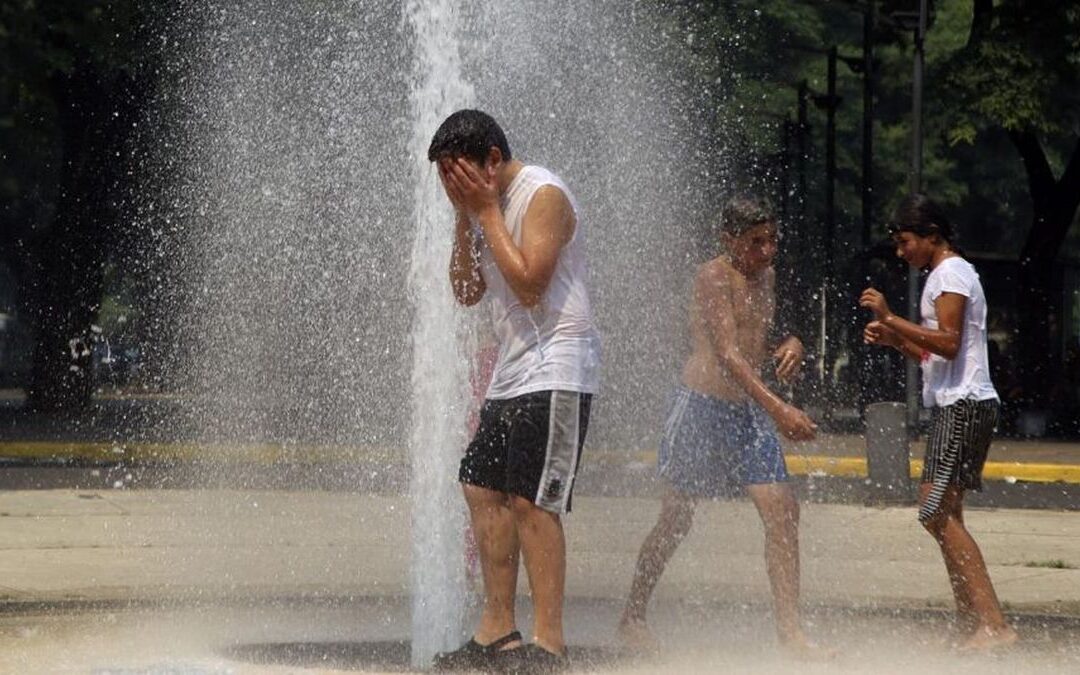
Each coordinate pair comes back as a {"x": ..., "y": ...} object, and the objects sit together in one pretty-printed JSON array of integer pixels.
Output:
[{"x": 260, "y": 581}]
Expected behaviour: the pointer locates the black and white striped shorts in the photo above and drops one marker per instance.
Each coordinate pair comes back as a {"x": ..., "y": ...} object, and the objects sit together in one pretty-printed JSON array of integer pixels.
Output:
[
  {"x": 529, "y": 446},
  {"x": 956, "y": 449}
]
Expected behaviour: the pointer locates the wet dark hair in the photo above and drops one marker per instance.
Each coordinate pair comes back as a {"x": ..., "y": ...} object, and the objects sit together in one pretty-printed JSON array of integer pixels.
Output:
[
  {"x": 470, "y": 134},
  {"x": 744, "y": 213},
  {"x": 922, "y": 216}
]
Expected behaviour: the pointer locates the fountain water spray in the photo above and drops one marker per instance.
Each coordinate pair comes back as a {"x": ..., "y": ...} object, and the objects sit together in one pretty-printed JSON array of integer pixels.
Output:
[
  {"x": 283, "y": 130},
  {"x": 440, "y": 358}
]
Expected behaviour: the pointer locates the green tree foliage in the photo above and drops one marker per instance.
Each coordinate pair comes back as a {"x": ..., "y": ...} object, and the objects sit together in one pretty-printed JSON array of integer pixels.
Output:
[
  {"x": 1001, "y": 120},
  {"x": 1018, "y": 75}
]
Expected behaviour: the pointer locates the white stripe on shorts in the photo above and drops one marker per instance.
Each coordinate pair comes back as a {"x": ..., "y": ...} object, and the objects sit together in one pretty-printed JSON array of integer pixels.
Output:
[
  {"x": 681, "y": 399},
  {"x": 561, "y": 456}
]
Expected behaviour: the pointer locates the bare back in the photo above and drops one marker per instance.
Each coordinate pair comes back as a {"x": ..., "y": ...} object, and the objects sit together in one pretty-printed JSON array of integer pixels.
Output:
[{"x": 750, "y": 304}]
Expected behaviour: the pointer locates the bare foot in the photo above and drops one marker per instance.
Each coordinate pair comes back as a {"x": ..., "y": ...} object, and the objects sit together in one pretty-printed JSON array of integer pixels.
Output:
[
  {"x": 635, "y": 636},
  {"x": 988, "y": 639},
  {"x": 801, "y": 648}
]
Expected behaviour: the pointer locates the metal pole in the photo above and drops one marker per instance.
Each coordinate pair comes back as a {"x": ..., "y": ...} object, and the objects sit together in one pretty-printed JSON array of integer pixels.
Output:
[
  {"x": 830, "y": 224},
  {"x": 861, "y": 353},
  {"x": 868, "y": 127},
  {"x": 788, "y": 278},
  {"x": 786, "y": 132},
  {"x": 803, "y": 239},
  {"x": 912, "y": 373},
  {"x": 830, "y": 167},
  {"x": 804, "y": 132}
]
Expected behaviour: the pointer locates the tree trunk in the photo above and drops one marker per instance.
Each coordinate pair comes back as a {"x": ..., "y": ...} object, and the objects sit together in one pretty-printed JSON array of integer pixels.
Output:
[{"x": 1054, "y": 205}]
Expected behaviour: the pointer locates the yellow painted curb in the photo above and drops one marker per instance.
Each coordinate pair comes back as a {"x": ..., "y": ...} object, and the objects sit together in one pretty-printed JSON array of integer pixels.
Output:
[
  {"x": 268, "y": 453},
  {"x": 821, "y": 465},
  {"x": 265, "y": 453},
  {"x": 1034, "y": 473},
  {"x": 855, "y": 467}
]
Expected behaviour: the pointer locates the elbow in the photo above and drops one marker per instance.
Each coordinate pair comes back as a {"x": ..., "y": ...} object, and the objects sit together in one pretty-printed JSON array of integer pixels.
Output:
[
  {"x": 728, "y": 358},
  {"x": 951, "y": 350}
]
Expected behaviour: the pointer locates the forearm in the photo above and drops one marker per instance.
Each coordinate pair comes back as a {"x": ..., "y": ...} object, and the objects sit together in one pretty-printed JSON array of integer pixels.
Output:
[
  {"x": 909, "y": 349},
  {"x": 916, "y": 339},
  {"x": 466, "y": 280}
]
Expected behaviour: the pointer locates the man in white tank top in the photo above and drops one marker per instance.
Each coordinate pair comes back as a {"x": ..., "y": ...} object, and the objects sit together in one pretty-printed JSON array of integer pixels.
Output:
[{"x": 519, "y": 243}]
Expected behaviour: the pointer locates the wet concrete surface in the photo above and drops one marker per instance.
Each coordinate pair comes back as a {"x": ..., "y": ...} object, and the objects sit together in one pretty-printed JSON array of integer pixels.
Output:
[
  {"x": 242, "y": 581},
  {"x": 370, "y": 635}
]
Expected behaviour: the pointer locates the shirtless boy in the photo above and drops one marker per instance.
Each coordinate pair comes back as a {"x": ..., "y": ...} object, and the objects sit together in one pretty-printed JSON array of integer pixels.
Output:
[{"x": 721, "y": 429}]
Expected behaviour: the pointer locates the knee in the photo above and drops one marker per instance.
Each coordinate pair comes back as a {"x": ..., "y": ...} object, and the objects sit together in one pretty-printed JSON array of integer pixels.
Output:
[
  {"x": 936, "y": 525},
  {"x": 525, "y": 510}
]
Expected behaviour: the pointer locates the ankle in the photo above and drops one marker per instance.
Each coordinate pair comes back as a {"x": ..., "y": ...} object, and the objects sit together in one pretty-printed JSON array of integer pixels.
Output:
[
  {"x": 486, "y": 634},
  {"x": 557, "y": 647}
]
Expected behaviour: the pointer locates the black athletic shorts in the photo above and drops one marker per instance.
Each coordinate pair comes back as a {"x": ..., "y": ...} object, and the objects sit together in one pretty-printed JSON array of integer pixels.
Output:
[{"x": 529, "y": 446}]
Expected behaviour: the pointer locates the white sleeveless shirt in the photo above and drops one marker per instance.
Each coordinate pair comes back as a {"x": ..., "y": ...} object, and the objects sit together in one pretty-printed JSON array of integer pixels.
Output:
[{"x": 555, "y": 344}]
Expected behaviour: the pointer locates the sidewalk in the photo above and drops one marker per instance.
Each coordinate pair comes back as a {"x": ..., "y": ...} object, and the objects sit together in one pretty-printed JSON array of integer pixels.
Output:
[
  {"x": 218, "y": 581},
  {"x": 64, "y": 546}
]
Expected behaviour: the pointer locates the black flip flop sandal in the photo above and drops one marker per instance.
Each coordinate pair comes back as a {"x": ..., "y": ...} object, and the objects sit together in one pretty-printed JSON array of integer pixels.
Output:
[{"x": 473, "y": 656}]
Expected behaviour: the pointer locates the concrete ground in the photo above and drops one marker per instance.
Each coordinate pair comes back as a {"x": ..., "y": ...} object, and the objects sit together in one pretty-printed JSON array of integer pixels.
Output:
[
  {"x": 265, "y": 558},
  {"x": 215, "y": 581}
]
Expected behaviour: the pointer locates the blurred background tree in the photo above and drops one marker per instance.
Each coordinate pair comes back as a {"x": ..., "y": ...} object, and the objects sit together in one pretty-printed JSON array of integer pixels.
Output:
[
  {"x": 73, "y": 83},
  {"x": 1001, "y": 152}
]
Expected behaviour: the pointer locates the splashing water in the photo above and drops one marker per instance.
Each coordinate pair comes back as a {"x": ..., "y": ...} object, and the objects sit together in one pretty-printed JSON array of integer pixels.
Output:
[
  {"x": 440, "y": 370},
  {"x": 293, "y": 139}
]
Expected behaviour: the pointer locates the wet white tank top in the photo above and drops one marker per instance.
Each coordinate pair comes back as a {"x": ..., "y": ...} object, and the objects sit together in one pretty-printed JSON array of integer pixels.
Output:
[{"x": 555, "y": 344}]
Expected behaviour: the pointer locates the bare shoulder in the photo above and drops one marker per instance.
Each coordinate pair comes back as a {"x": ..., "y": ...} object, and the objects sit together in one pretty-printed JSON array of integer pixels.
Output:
[
  {"x": 716, "y": 271},
  {"x": 550, "y": 198},
  {"x": 714, "y": 278},
  {"x": 551, "y": 191},
  {"x": 551, "y": 207}
]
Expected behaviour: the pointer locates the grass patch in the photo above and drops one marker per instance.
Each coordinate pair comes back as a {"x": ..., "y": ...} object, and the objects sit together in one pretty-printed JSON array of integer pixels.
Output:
[{"x": 1051, "y": 564}]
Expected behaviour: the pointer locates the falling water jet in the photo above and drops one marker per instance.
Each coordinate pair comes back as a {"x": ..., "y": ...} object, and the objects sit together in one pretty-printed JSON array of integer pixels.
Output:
[{"x": 440, "y": 370}]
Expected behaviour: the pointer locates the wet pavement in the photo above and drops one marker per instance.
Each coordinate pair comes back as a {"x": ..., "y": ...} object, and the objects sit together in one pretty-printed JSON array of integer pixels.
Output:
[
  {"x": 129, "y": 547},
  {"x": 367, "y": 636},
  {"x": 241, "y": 581}
]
